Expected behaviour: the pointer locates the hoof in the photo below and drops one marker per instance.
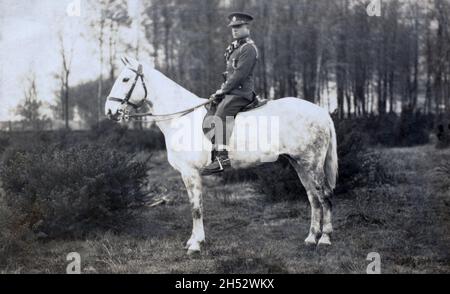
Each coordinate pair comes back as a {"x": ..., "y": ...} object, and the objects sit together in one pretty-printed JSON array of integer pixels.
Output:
[
  {"x": 324, "y": 240},
  {"x": 193, "y": 252},
  {"x": 311, "y": 240},
  {"x": 194, "y": 248},
  {"x": 188, "y": 244}
]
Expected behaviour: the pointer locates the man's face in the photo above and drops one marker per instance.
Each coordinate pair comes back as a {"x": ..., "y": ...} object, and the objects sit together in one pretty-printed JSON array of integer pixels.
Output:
[{"x": 240, "y": 31}]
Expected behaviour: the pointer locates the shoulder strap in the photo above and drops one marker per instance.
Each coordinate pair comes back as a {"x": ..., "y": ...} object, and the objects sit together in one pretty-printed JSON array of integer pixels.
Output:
[{"x": 250, "y": 42}]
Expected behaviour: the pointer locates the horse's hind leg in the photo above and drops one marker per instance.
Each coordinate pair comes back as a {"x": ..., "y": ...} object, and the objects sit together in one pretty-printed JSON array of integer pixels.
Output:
[
  {"x": 326, "y": 221},
  {"x": 306, "y": 177},
  {"x": 319, "y": 191}
]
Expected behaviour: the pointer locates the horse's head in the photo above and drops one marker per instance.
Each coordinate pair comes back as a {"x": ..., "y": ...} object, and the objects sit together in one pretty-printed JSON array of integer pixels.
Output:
[{"x": 128, "y": 90}]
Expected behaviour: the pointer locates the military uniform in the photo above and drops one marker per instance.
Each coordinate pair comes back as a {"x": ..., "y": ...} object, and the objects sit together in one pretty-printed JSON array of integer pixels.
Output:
[
  {"x": 241, "y": 57},
  {"x": 238, "y": 89},
  {"x": 239, "y": 85}
]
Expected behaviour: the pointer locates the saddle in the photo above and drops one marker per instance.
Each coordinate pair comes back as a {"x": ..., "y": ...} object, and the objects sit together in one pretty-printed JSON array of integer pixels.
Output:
[{"x": 257, "y": 102}]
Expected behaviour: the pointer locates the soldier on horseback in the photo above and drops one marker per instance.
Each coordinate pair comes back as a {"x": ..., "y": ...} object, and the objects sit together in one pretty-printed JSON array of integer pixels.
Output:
[{"x": 238, "y": 89}]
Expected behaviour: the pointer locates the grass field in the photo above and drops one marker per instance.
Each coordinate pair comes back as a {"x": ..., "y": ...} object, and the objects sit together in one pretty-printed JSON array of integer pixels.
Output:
[{"x": 406, "y": 220}]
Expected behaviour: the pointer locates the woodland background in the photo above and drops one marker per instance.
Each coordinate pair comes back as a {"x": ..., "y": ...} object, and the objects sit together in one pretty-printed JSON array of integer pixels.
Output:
[{"x": 328, "y": 52}]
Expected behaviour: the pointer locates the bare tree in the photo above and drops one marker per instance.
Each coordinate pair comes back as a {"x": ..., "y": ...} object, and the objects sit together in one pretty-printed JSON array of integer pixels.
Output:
[
  {"x": 109, "y": 16},
  {"x": 66, "y": 59},
  {"x": 29, "y": 109}
]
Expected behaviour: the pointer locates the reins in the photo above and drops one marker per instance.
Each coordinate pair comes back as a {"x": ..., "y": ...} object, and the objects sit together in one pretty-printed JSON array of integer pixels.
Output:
[{"x": 168, "y": 116}]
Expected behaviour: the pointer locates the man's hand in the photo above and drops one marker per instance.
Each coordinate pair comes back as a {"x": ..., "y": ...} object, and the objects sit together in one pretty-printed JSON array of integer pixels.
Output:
[
  {"x": 216, "y": 97},
  {"x": 219, "y": 93}
]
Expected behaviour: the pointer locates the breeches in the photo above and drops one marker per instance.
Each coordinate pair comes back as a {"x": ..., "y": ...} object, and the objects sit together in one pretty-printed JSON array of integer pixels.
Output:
[{"x": 228, "y": 107}]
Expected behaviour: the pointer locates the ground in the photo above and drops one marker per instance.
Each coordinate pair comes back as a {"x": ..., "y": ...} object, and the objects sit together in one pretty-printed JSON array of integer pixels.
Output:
[{"x": 406, "y": 221}]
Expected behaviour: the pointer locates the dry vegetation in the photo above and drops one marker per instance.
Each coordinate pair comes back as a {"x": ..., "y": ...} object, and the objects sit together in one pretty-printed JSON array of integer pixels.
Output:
[{"x": 405, "y": 220}]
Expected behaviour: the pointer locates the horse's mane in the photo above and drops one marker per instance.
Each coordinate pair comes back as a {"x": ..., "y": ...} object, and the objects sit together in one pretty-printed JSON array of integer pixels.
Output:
[{"x": 158, "y": 79}]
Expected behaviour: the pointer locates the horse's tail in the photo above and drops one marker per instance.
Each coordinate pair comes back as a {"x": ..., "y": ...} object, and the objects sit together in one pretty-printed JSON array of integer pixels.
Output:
[{"x": 331, "y": 160}]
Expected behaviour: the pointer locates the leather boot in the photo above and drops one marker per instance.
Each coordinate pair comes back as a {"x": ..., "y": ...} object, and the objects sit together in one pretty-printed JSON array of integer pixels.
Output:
[{"x": 220, "y": 163}]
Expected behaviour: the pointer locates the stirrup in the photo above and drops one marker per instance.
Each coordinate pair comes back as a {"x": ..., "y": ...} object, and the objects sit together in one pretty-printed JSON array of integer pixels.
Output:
[{"x": 220, "y": 163}]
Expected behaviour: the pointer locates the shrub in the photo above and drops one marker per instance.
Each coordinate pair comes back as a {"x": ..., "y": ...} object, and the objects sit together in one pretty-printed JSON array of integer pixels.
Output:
[
  {"x": 409, "y": 129},
  {"x": 442, "y": 131},
  {"x": 378, "y": 130},
  {"x": 14, "y": 236},
  {"x": 358, "y": 166},
  {"x": 107, "y": 133},
  {"x": 68, "y": 191},
  {"x": 4, "y": 141},
  {"x": 413, "y": 128},
  {"x": 279, "y": 182},
  {"x": 239, "y": 175},
  {"x": 130, "y": 140}
]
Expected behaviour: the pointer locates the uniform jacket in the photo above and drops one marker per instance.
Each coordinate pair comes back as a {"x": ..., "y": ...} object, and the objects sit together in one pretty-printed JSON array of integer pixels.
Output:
[{"x": 239, "y": 74}]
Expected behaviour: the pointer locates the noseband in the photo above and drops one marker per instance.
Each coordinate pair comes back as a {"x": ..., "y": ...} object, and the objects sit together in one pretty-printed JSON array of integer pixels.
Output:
[{"x": 139, "y": 75}]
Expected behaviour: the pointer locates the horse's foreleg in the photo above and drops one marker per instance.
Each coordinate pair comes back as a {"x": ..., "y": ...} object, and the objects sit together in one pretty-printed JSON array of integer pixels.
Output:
[{"x": 193, "y": 185}]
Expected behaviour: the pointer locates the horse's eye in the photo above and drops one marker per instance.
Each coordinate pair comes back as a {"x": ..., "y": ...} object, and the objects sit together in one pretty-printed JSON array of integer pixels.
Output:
[{"x": 125, "y": 80}]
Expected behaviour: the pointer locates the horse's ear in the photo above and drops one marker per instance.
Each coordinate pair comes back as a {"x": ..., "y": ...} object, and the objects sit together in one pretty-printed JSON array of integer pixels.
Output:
[
  {"x": 131, "y": 62},
  {"x": 123, "y": 59},
  {"x": 140, "y": 70}
]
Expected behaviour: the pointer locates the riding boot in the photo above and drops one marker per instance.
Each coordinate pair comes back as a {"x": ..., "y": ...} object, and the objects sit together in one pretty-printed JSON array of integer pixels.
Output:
[
  {"x": 220, "y": 163},
  {"x": 213, "y": 154}
]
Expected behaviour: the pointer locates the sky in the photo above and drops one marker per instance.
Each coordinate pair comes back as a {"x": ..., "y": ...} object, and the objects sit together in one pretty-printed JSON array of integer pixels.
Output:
[{"x": 29, "y": 43}]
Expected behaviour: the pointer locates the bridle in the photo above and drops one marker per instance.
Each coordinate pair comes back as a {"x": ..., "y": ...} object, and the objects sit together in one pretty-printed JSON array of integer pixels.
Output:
[
  {"x": 139, "y": 75},
  {"x": 154, "y": 117}
]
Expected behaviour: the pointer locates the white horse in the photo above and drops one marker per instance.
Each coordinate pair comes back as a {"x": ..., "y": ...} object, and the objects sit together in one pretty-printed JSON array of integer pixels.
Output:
[{"x": 306, "y": 136}]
